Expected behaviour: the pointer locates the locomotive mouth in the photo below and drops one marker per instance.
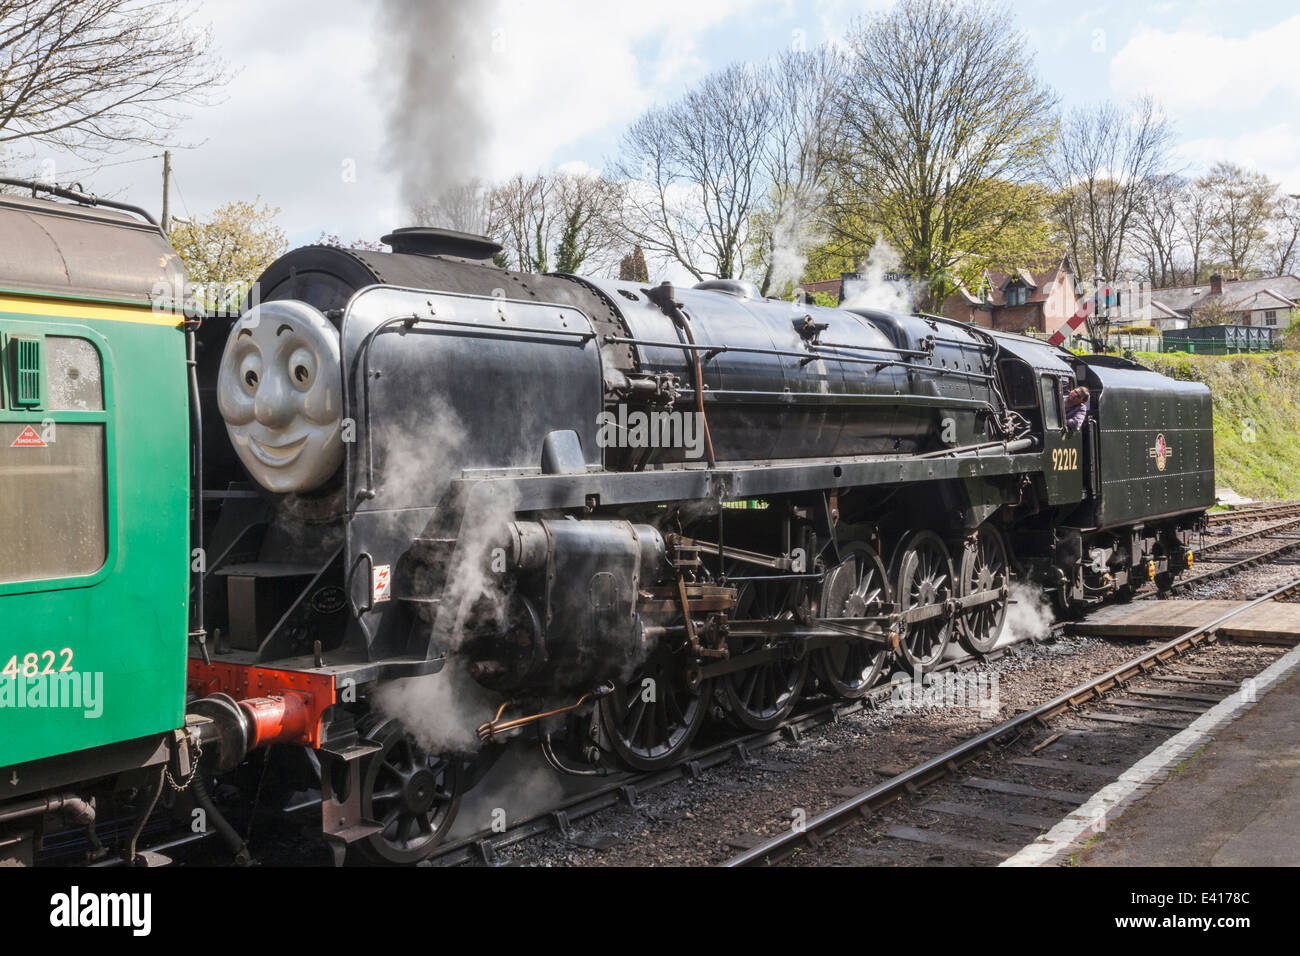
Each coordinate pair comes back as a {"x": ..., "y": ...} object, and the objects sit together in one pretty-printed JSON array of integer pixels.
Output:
[{"x": 277, "y": 456}]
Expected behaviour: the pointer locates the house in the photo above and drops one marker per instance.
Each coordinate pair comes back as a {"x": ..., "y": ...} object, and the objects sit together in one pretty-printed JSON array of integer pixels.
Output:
[
  {"x": 1264, "y": 302},
  {"x": 1037, "y": 297}
]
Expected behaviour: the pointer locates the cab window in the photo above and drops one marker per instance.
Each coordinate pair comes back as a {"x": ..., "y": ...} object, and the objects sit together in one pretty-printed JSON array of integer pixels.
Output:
[{"x": 1049, "y": 390}]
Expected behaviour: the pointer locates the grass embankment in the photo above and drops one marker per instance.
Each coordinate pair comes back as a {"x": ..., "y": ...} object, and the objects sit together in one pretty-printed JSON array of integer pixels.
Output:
[{"x": 1256, "y": 417}]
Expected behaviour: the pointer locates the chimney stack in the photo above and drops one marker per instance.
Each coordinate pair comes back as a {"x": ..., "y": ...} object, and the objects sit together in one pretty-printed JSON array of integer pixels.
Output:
[{"x": 1216, "y": 284}]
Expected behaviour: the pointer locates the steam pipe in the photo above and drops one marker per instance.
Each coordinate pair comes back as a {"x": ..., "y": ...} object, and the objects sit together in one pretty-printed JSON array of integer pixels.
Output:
[
  {"x": 76, "y": 195},
  {"x": 197, "y": 630}
]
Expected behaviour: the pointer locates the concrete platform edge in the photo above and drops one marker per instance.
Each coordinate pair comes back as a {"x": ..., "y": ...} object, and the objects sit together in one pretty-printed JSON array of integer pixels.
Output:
[{"x": 1134, "y": 783}]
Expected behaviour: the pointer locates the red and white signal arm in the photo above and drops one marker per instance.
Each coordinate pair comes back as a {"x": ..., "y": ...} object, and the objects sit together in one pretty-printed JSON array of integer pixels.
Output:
[{"x": 381, "y": 580}]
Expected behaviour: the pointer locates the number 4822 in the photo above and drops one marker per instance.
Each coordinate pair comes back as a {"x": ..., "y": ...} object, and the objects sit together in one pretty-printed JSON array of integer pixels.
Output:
[{"x": 38, "y": 664}]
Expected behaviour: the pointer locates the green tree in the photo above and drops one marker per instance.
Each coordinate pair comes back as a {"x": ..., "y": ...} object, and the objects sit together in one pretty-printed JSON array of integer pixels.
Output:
[
  {"x": 227, "y": 251},
  {"x": 943, "y": 127}
]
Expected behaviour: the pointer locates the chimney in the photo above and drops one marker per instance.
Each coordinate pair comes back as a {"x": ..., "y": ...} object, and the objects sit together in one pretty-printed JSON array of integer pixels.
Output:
[{"x": 1216, "y": 284}]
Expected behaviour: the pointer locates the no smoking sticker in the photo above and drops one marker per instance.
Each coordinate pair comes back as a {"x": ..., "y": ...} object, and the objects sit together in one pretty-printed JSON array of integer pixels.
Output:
[
  {"x": 382, "y": 582},
  {"x": 28, "y": 438}
]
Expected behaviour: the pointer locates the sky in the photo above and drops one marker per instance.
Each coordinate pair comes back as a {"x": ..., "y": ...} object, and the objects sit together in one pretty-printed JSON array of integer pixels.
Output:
[{"x": 302, "y": 124}]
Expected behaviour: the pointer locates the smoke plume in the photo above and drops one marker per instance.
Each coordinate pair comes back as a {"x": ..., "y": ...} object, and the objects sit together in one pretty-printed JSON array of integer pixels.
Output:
[{"x": 438, "y": 135}]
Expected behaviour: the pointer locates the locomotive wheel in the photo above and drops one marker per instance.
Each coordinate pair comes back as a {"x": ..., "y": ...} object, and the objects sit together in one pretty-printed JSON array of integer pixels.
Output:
[
  {"x": 983, "y": 568},
  {"x": 412, "y": 795},
  {"x": 923, "y": 577},
  {"x": 858, "y": 587},
  {"x": 652, "y": 719},
  {"x": 760, "y": 697}
]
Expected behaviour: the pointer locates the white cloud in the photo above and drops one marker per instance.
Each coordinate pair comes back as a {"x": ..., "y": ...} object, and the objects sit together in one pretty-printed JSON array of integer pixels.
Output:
[
  {"x": 571, "y": 68},
  {"x": 1196, "y": 69},
  {"x": 310, "y": 95},
  {"x": 1274, "y": 150}
]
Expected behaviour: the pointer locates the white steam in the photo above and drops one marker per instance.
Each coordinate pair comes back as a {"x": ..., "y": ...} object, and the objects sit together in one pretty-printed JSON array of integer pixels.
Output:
[
  {"x": 1029, "y": 615},
  {"x": 443, "y": 710},
  {"x": 795, "y": 231},
  {"x": 881, "y": 286}
]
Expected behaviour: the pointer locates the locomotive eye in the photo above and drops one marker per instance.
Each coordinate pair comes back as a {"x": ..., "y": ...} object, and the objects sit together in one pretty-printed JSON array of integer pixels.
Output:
[
  {"x": 301, "y": 367},
  {"x": 250, "y": 378}
]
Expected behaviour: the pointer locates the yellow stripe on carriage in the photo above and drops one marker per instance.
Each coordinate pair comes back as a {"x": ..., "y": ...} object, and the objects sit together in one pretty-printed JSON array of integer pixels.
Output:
[{"x": 107, "y": 312}]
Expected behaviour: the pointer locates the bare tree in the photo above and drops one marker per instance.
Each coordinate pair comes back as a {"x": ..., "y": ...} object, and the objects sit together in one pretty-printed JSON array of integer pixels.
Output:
[
  {"x": 1195, "y": 209},
  {"x": 463, "y": 206},
  {"x": 1242, "y": 201},
  {"x": 695, "y": 173},
  {"x": 521, "y": 220},
  {"x": 1106, "y": 162},
  {"x": 943, "y": 120},
  {"x": 803, "y": 89},
  {"x": 97, "y": 74},
  {"x": 562, "y": 222},
  {"x": 1159, "y": 234},
  {"x": 1284, "y": 236},
  {"x": 587, "y": 207}
]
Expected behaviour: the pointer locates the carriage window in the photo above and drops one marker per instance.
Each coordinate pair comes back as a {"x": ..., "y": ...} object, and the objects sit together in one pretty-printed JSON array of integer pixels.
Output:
[
  {"x": 1049, "y": 389},
  {"x": 53, "y": 498},
  {"x": 72, "y": 374}
]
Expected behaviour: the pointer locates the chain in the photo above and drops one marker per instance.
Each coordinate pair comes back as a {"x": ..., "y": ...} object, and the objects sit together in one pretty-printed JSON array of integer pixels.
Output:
[{"x": 194, "y": 766}]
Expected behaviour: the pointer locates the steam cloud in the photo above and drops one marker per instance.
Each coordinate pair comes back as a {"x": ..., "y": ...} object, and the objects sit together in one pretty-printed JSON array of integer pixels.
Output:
[
  {"x": 438, "y": 135},
  {"x": 795, "y": 232},
  {"x": 880, "y": 292},
  {"x": 1029, "y": 616}
]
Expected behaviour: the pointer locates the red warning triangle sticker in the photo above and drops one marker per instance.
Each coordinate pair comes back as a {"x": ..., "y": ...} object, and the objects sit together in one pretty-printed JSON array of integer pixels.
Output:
[{"x": 28, "y": 439}]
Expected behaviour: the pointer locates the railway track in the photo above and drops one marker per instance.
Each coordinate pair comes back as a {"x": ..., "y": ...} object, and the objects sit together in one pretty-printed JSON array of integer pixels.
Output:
[
  {"x": 1086, "y": 726},
  {"x": 486, "y": 846},
  {"x": 1282, "y": 510},
  {"x": 1226, "y": 544}
]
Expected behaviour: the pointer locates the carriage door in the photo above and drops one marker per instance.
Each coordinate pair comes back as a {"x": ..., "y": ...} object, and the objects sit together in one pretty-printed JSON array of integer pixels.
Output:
[{"x": 1063, "y": 449}]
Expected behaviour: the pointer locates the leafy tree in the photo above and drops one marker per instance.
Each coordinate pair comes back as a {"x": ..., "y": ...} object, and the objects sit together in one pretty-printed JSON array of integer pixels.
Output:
[
  {"x": 227, "y": 251},
  {"x": 943, "y": 126}
]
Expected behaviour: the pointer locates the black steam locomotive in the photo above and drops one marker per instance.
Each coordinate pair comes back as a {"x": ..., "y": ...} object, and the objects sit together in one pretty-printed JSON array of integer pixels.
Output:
[{"x": 614, "y": 508}]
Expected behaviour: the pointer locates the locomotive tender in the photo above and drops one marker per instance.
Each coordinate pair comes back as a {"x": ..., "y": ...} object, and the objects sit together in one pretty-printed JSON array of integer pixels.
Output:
[{"x": 615, "y": 508}]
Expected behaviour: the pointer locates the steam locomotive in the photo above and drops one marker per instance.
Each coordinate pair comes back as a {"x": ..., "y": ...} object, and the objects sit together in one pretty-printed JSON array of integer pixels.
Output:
[{"x": 611, "y": 510}]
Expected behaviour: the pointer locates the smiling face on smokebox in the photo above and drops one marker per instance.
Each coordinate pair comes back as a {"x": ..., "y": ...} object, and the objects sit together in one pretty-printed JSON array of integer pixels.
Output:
[{"x": 280, "y": 394}]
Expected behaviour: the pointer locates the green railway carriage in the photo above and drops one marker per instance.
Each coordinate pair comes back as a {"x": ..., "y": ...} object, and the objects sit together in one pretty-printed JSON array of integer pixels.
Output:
[{"x": 94, "y": 494}]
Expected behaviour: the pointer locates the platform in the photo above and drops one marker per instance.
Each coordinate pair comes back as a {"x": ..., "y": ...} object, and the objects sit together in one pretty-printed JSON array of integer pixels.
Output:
[
  {"x": 1224, "y": 791},
  {"x": 1273, "y": 622},
  {"x": 1237, "y": 803}
]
